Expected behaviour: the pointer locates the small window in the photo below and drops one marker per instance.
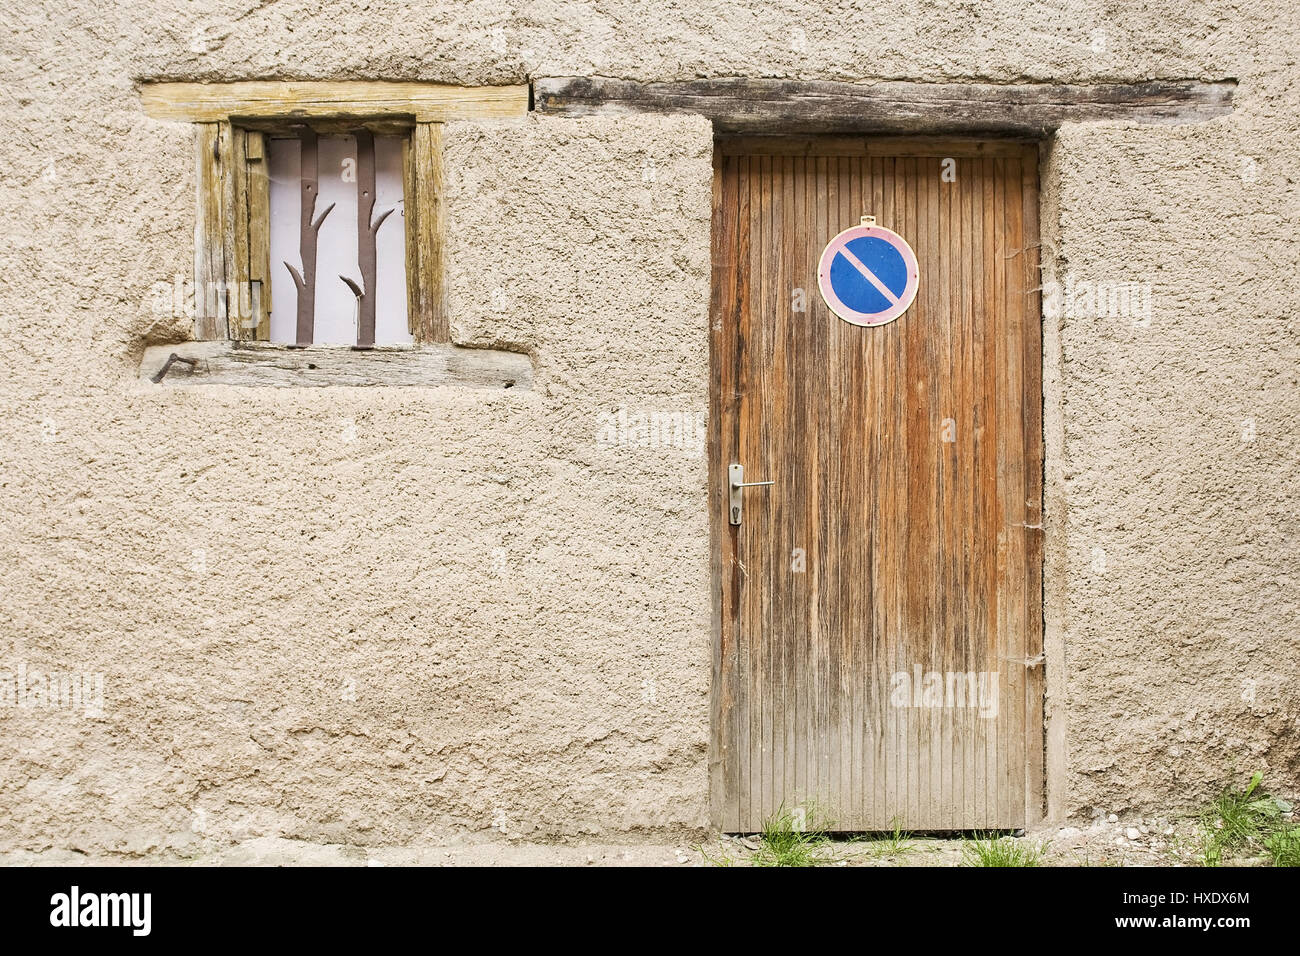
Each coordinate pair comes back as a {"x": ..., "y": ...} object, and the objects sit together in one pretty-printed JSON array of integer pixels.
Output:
[
  {"x": 282, "y": 253},
  {"x": 319, "y": 227}
]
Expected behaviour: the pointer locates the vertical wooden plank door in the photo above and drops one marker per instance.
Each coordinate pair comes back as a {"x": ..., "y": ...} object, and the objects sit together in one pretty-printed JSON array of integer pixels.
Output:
[{"x": 878, "y": 609}]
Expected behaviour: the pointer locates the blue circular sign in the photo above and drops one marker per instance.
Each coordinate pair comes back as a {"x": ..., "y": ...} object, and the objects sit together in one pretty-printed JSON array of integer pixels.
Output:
[{"x": 868, "y": 275}]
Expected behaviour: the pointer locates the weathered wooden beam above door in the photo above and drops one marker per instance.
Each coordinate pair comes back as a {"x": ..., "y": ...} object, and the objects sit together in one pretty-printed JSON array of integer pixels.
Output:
[{"x": 814, "y": 106}]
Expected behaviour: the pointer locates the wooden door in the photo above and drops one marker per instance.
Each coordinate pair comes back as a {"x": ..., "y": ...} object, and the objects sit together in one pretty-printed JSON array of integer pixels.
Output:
[{"x": 877, "y": 654}]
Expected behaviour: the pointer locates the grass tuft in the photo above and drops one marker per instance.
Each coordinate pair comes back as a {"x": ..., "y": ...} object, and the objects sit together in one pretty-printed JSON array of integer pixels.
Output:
[
  {"x": 991, "y": 850},
  {"x": 895, "y": 842},
  {"x": 722, "y": 859},
  {"x": 793, "y": 838},
  {"x": 1284, "y": 847},
  {"x": 1239, "y": 822}
]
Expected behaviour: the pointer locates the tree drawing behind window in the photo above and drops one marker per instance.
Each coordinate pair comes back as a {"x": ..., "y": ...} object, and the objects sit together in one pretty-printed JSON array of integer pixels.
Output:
[{"x": 337, "y": 240}]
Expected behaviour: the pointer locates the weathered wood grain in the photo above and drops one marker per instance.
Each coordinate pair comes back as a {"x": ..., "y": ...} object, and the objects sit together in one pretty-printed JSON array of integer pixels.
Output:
[
  {"x": 1035, "y": 740},
  {"x": 818, "y": 106},
  {"x": 329, "y": 125},
  {"x": 247, "y": 363},
  {"x": 410, "y": 213},
  {"x": 239, "y": 301},
  {"x": 424, "y": 102},
  {"x": 209, "y": 232},
  {"x": 864, "y": 145},
  {"x": 905, "y": 459},
  {"x": 259, "y": 233},
  {"x": 720, "y": 741},
  {"x": 428, "y": 316}
]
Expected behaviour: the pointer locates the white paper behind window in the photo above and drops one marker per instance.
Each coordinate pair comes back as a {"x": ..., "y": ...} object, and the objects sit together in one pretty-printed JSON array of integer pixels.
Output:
[{"x": 336, "y": 250}]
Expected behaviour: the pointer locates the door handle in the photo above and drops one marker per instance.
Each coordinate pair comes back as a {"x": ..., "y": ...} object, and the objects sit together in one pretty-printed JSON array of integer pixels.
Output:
[{"x": 736, "y": 485}]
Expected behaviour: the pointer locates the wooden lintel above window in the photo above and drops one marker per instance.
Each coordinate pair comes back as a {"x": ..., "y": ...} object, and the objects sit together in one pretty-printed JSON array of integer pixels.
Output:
[
  {"x": 253, "y": 99},
  {"x": 738, "y": 105}
]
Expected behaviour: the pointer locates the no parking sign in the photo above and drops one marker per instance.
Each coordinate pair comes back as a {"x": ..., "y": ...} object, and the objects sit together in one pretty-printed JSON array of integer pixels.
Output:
[{"x": 868, "y": 274}]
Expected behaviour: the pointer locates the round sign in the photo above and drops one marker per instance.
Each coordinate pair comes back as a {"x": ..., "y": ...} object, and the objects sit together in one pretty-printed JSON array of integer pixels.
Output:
[{"x": 868, "y": 274}]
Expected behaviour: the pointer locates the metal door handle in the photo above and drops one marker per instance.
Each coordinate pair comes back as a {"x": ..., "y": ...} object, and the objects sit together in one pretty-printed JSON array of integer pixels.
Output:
[{"x": 736, "y": 485}]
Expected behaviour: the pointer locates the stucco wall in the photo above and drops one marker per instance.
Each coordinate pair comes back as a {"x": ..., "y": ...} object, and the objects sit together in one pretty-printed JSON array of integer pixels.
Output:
[
  {"x": 519, "y": 608},
  {"x": 1179, "y": 472}
]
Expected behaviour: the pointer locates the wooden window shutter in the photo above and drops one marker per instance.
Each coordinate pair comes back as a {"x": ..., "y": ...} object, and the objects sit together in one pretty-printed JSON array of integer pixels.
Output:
[
  {"x": 232, "y": 281},
  {"x": 422, "y": 190}
]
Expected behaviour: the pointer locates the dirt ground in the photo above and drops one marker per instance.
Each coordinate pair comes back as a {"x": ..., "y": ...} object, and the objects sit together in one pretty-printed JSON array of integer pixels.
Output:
[{"x": 1105, "y": 842}]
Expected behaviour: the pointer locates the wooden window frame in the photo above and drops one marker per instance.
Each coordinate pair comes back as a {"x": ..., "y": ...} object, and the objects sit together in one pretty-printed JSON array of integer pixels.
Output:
[{"x": 234, "y": 121}]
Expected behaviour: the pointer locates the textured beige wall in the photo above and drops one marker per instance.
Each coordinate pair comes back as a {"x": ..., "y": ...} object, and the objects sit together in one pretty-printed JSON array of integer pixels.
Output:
[
  {"x": 1179, "y": 473},
  {"x": 518, "y": 606},
  {"x": 239, "y": 563}
]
